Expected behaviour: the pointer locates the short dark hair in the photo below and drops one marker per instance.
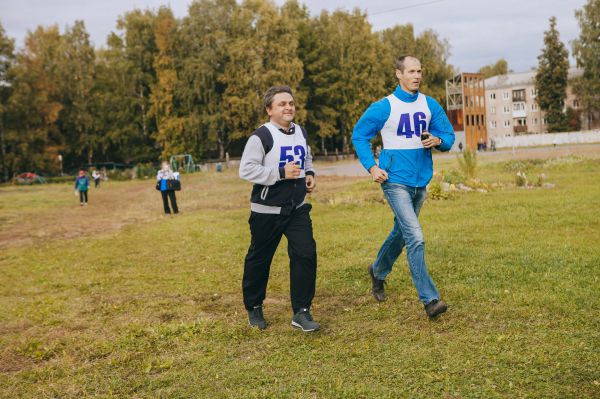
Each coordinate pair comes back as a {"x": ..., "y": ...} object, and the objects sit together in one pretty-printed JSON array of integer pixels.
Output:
[
  {"x": 399, "y": 64},
  {"x": 272, "y": 91}
]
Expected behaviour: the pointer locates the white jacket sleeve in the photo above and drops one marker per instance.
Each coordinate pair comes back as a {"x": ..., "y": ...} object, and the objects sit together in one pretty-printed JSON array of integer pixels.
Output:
[
  {"x": 251, "y": 165},
  {"x": 308, "y": 167}
]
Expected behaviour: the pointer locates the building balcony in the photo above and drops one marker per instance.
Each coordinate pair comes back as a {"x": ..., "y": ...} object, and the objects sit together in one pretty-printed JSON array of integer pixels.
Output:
[
  {"x": 520, "y": 129},
  {"x": 519, "y": 114}
]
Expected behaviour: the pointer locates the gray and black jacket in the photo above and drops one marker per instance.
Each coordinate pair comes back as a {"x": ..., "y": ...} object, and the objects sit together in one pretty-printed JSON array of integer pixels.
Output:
[{"x": 268, "y": 149}]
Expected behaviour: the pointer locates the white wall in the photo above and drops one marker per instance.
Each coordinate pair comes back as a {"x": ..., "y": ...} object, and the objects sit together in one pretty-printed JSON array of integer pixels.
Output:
[{"x": 528, "y": 140}]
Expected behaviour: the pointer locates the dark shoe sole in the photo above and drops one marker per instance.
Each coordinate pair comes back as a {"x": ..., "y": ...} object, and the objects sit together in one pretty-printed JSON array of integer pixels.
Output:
[
  {"x": 443, "y": 308},
  {"x": 256, "y": 326},
  {"x": 298, "y": 326},
  {"x": 378, "y": 299}
]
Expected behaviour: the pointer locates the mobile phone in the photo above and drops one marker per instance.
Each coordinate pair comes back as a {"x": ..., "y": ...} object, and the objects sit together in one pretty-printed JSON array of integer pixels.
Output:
[{"x": 425, "y": 136}]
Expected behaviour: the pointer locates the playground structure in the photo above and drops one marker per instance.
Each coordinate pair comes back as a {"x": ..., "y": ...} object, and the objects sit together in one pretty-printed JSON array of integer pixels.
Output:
[
  {"x": 29, "y": 178},
  {"x": 184, "y": 162}
]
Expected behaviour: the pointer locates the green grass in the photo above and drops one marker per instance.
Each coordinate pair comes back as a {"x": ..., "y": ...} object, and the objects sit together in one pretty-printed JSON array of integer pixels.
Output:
[{"x": 153, "y": 308}]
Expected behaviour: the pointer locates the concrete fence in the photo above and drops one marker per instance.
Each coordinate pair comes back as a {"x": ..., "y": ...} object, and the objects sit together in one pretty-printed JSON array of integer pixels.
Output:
[{"x": 530, "y": 140}]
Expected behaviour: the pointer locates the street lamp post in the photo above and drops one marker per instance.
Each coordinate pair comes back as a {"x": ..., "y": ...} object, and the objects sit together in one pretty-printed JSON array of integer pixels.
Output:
[{"x": 60, "y": 160}]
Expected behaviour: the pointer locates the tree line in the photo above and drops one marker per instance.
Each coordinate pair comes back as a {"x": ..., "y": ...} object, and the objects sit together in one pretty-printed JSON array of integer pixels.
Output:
[{"x": 163, "y": 85}]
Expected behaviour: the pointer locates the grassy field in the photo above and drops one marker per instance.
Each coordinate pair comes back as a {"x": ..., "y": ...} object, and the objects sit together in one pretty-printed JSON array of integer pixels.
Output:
[{"x": 115, "y": 300}]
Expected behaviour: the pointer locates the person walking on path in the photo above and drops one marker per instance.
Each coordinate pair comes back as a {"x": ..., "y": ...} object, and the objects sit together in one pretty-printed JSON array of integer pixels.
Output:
[
  {"x": 277, "y": 159},
  {"x": 411, "y": 124},
  {"x": 82, "y": 184},
  {"x": 96, "y": 177},
  {"x": 162, "y": 177}
]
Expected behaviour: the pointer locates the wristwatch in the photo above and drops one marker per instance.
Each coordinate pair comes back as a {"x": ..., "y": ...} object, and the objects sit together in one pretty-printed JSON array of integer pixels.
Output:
[{"x": 441, "y": 141}]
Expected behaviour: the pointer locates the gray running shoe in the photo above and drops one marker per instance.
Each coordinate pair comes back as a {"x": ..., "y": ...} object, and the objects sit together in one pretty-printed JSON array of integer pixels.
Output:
[
  {"x": 256, "y": 318},
  {"x": 377, "y": 288},
  {"x": 304, "y": 321}
]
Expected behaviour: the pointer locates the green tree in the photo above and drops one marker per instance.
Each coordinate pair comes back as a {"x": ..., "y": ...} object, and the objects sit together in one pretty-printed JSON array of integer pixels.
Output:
[
  {"x": 346, "y": 71},
  {"x": 35, "y": 103},
  {"x": 169, "y": 126},
  {"x": 139, "y": 49},
  {"x": 77, "y": 73},
  {"x": 551, "y": 78},
  {"x": 499, "y": 68},
  {"x": 262, "y": 53},
  {"x": 586, "y": 50},
  {"x": 201, "y": 57},
  {"x": 7, "y": 59}
]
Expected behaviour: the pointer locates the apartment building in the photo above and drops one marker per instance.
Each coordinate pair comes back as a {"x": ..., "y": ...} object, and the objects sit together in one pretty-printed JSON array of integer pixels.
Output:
[{"x": 511, "y": 107}]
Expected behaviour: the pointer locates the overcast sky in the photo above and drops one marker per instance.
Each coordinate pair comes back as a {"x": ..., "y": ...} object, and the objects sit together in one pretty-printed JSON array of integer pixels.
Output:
[{"x": 479, "y": 31}]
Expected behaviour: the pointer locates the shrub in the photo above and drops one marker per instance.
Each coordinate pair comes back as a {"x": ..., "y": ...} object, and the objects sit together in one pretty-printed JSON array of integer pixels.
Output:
[
  {"x": 467, "y": 162},
  {"x": 435, "y": 191},
  {"x": 453, "y": 177},
  {"x": 521, "y": 179}
]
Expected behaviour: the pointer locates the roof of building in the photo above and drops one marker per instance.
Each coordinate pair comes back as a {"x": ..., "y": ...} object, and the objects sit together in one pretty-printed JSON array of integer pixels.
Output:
[{"x": 522, "y": 78}]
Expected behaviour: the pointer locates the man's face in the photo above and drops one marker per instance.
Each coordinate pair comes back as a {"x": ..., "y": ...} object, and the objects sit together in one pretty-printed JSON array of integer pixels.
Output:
[
  {"x": 410, "y": 78},
  {"x": 282, "y": 109}
]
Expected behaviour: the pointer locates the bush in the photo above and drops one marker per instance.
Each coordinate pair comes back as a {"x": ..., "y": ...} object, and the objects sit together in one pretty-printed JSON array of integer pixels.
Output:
[
  {"x": 145, "y": 170},
  {"x": 521, "y": 179},
  {"x": 453, "y": 177},
  {"x": 467, "y": 162},
  {"x": 61, "y": 179},
  {"x": 435, "y": 191},
  {"x": 120, "y": 175}
]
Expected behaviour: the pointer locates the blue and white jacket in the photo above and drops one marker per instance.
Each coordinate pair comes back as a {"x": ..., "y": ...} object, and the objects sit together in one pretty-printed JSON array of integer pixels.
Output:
[{"x": 401, "y": 117}]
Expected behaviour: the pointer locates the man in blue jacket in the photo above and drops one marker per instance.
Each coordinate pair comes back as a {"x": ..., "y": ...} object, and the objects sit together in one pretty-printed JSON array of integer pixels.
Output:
[{"x": 411, "y": 124}]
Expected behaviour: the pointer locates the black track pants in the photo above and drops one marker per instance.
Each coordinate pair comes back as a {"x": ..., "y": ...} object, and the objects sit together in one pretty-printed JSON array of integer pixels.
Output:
[{"x": 266, "y": 230}]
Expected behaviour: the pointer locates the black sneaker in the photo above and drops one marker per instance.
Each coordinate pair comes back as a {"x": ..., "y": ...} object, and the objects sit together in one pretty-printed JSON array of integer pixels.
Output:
[
  {"x": 304, "y": 321},
  {"x": 435, "y": 308},
  {"x": 256, "y": 318},
  {"x": 377, "y": 289}
]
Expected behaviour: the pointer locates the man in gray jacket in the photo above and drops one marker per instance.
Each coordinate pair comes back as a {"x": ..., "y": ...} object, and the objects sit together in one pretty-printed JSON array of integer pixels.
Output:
[{"x": 278, "y": 161}]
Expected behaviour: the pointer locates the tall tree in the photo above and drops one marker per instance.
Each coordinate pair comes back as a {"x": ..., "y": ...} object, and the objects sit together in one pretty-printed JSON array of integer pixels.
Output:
[
  {"x": 202, "y": 55},
  {"x": 169, "y": 126},
  {"x": 7, "y": 58},
  {"x": 35, "y": 102},
  {"x": 139, "y": 49},
  {"x": 586, "y": 50},
  {"x": 346, "y": 71},
  {"x": 77, "y": 74},
  {"x": 499, "y": 68},
  {"x": 262, "y": 53},
  {"x": 551, "y": 78}
]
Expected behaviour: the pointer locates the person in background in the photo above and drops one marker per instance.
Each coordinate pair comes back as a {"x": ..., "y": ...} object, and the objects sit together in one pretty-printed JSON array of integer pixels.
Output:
[
  {"x": 96, "y": 177},
  {"x": 82, "y": 184},
  {"x": 164, "y": 174}
]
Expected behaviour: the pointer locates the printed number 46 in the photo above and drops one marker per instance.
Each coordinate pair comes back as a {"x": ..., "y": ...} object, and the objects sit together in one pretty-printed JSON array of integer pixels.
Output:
[
  {"x": 404, "y": 127},
  {"x": 287, "y": 155}
]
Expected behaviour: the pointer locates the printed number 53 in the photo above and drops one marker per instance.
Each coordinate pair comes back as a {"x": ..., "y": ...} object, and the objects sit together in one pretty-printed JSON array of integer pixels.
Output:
[{"x": 288, "y": 152}]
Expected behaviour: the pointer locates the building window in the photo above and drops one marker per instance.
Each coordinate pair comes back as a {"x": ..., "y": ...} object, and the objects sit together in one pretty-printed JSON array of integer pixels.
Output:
[
  {"x": 506, "y": 109},
  {"x": 533, "y": 92},
  {"x": 493, "y": 124},
  {"x": 505, "y": 95},
  {"x": 575, "y": 104},
  {"x": 492, "y": 96},
  {"x": 506, "y": 123},
  {"x": 518, "y": 95},
  {"x": 534, "y": 107},
  {"x": 535, "y": 121},
  {"x": 493, "y": 110},
  {"x": 544, "y": 121},
  {"x": 518, "y": 107}
]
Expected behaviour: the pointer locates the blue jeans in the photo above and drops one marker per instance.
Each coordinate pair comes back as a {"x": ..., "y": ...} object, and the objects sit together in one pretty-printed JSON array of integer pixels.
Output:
[{"x": 406, "y": 203}]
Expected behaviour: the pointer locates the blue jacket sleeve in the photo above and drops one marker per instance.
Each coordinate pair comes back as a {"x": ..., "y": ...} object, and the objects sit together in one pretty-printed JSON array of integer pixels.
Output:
[
  {"x": 366, "y": 128},
  {"x": 440, "y": 125}
]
